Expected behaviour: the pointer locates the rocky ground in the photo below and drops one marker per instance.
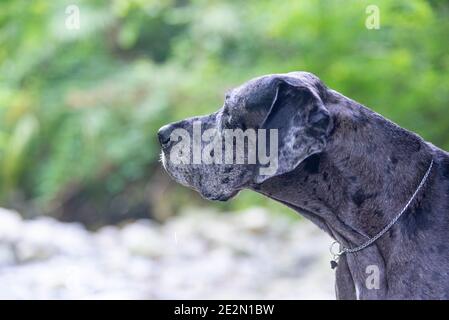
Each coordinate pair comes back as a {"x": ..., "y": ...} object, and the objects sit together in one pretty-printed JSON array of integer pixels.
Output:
[{"x": 195, "y": 255}]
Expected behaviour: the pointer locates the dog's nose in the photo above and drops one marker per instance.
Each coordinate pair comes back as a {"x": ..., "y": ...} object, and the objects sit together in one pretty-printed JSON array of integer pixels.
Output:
[{"x": 164, "y": 135}]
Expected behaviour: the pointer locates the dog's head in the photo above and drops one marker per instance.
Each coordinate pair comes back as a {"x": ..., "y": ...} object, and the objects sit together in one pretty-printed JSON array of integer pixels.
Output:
[{"x": 265, "y": 128}]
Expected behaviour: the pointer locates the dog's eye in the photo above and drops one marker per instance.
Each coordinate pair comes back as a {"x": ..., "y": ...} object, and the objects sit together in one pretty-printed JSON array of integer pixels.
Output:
[
  {"x": 226, "y": 120},
  {"x": 231, "y": 122},
  {"x": 228, "y": 94}
]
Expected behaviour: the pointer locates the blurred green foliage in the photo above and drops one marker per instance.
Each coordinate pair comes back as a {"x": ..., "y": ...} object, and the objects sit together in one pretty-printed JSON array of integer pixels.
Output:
[{"x": 79, "y": 109}]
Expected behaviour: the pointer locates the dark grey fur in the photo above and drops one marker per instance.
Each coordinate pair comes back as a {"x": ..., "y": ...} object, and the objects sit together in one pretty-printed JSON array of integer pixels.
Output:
[{"x": 349, "y": 171}]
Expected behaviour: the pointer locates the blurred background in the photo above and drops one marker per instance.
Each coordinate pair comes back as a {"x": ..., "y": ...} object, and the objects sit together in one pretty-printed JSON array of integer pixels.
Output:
[{"x": 89, "y": 213}]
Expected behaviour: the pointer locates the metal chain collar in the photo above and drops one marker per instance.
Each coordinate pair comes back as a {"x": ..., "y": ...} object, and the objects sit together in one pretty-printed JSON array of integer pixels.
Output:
[{"x": 343, "y": 250}]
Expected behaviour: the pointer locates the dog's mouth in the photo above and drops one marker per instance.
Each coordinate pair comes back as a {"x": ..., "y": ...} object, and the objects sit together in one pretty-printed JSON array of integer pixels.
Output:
[
  {"x": 170, "y": 171},
  {"x": 197, "y": 186}
]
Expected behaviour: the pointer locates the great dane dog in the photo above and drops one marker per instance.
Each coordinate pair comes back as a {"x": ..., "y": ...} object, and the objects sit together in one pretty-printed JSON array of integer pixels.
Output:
[{"x": 348, "y": 170}]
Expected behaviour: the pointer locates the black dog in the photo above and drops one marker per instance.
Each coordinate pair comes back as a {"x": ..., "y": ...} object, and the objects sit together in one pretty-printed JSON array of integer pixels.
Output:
[{"x": 348, "y": 170}]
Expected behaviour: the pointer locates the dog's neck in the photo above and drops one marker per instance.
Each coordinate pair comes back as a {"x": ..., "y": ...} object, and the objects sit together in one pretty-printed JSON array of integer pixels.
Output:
[
  {"x": 362, "y": 179},
  {"x": 370, "y": 161}
]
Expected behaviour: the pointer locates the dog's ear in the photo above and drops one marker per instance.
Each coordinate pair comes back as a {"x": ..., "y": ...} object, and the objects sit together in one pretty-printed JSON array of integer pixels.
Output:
[{"x": 302, "y": 122}]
